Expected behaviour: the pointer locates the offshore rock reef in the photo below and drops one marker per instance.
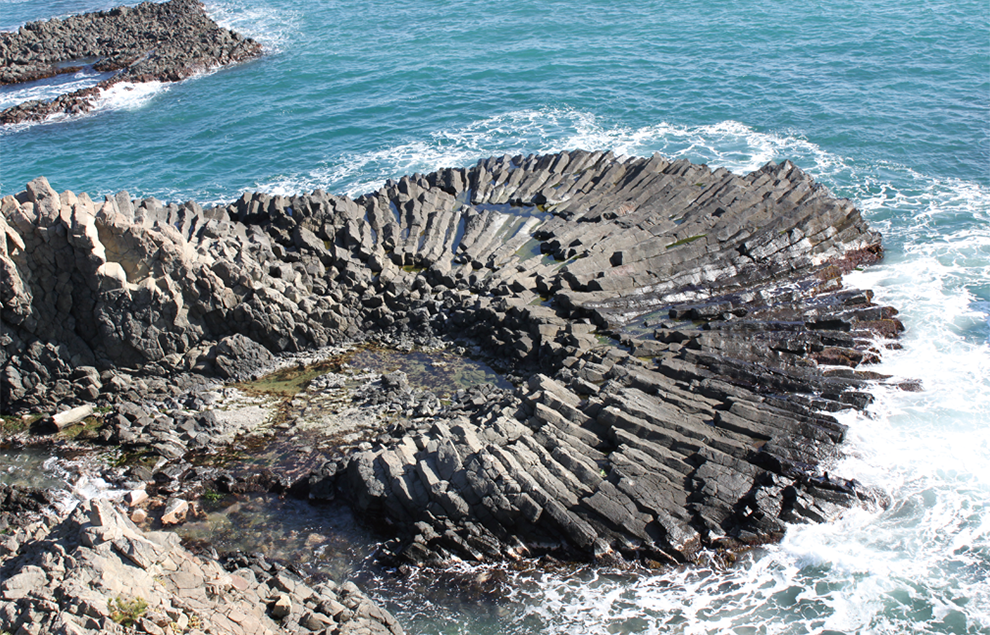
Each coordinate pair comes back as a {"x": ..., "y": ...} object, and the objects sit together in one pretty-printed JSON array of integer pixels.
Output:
[
  {"x": 679, "y": 338},
  {"x": 164, "y": 42}
]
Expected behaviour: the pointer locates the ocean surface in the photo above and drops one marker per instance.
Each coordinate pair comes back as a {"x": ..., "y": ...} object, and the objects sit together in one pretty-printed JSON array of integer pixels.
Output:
[{"x": 885, "y": 102}]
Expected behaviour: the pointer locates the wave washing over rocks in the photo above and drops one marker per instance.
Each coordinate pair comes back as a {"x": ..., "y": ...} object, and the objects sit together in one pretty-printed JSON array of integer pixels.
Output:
[
  {"x": 164, "y": 42},
  {"x": 680, "y": 340}
]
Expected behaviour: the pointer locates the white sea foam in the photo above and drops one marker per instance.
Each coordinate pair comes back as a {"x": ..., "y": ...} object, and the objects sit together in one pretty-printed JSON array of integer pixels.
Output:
[
  {"x": 120, "y": 96},
  {"x": 48, "y": 89},
  {"x": 130, "y": 96},
  {"x": 727, "y": 144},
  {"x": 921, "y": 565},
  {"x": 931, "y": 450},
  {"x": 270, "y": 26}
]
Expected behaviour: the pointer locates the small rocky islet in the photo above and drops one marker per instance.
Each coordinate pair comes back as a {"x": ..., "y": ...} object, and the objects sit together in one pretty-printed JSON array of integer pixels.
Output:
[
  {"x": 163, "y": 42},
  {"x": 675, "y": 342}
]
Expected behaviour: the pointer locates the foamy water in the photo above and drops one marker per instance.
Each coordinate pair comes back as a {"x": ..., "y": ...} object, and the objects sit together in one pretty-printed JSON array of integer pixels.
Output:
[
  {"x": 122, "y": 96},
  {"x": 268, "y": 25},
  {"x": 129, "y": 95},
  {"x": 729, "y": 144},
  {"x": 919, "y": 566},
  {"x": 48, "y": 89},
  {"x": 70, "y": 480}
]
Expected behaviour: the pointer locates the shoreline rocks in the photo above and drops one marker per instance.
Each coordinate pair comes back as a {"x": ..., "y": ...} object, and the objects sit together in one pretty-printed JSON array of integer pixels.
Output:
[
  {"x": 94, "y": 571},
  {"x": 165, "y": 42},
  {"x": 680, "y": 339}
]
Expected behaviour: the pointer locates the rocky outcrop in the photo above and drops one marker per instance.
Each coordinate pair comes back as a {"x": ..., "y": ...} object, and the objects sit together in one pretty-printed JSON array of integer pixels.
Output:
[
  {"x": 680, "y": 338},
  {"x": 164, "y": 42},
  {"x": 96, "y": 572}
]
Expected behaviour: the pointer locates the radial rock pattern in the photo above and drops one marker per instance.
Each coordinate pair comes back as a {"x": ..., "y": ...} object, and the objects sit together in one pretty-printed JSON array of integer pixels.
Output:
[{"x": 680, "y": 338}]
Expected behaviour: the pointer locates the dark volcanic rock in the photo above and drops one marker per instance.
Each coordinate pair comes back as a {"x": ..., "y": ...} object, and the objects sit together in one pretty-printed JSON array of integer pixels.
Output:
[
  {"x": 681, "y": 337},
  {"x": 238, "y": 356},
  {"x": 163, "y": 42}
]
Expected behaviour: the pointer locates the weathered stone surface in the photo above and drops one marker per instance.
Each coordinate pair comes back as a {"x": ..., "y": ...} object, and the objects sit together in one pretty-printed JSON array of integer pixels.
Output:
[
  {"x": 150, "y": 42},
  {"x": 175, "y": 511},
  {"x": 73, "y": 415},
  {"x": 237, "y": 357},
  {"x": 684, "y": 335},
  {"x": 282, "y": 606},
  {"x": 82, "y": 573},
  {"x": 136, "y": 497}
]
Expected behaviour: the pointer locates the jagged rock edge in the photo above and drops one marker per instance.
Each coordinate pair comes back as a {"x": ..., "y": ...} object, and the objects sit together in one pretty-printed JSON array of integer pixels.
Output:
[{"x": 726, "y": 419}]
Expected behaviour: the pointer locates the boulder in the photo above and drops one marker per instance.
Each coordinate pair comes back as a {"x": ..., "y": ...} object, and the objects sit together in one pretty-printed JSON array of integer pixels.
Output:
[
  {"x": 238, "y": 357},
  {"x": 175, "y": 511}
]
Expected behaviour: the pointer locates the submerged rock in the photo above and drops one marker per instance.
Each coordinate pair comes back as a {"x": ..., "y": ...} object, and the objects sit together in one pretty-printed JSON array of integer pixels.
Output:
[
  {"x": 163, "y": 42},
  {"x": 680, "y": 338}
]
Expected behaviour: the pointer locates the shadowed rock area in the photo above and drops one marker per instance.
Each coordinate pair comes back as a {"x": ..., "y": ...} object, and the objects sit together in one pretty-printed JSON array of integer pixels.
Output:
[
  {"x": 680, "y": 339},
  {"x": 164, "y": 42}
]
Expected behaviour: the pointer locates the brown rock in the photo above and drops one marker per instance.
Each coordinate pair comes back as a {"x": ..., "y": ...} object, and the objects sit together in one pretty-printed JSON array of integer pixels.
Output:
[
  {"x": 282, "y": 606},
  {"x": 175, "y": 511}
]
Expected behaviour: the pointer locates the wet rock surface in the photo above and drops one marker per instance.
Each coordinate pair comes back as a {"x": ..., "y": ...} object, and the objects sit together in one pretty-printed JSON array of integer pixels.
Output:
[
  {"x": 164, "y": 42},
  {"x": 17, "y": 502},
  {"x": 680, "y": 340}
]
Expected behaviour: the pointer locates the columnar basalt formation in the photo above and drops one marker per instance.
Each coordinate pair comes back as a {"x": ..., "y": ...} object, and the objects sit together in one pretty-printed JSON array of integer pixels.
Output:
[
  {"x": 164, "y": 42},
  {"x": 680, "y": 338}
]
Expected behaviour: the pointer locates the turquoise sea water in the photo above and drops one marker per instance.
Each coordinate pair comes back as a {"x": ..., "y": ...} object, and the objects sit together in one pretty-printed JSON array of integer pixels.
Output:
[{"x": 886, "y": 102}]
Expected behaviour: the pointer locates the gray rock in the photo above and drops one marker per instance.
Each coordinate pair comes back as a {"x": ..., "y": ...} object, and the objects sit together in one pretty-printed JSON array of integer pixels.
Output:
[
  {"x": 709, "y": 431},
  {"x": 238, "y": 357}
]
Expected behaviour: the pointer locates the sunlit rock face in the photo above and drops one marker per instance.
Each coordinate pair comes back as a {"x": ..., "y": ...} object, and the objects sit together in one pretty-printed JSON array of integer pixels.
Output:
[
  {"x": 678, "y": 336},
  {"x": 105, "y": 575}
]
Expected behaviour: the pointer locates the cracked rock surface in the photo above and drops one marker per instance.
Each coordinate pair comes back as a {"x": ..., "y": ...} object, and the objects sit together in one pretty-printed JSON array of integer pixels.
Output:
[
  {"x": 680, "y": 338},
  {"x": 96, "y": 572}
]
